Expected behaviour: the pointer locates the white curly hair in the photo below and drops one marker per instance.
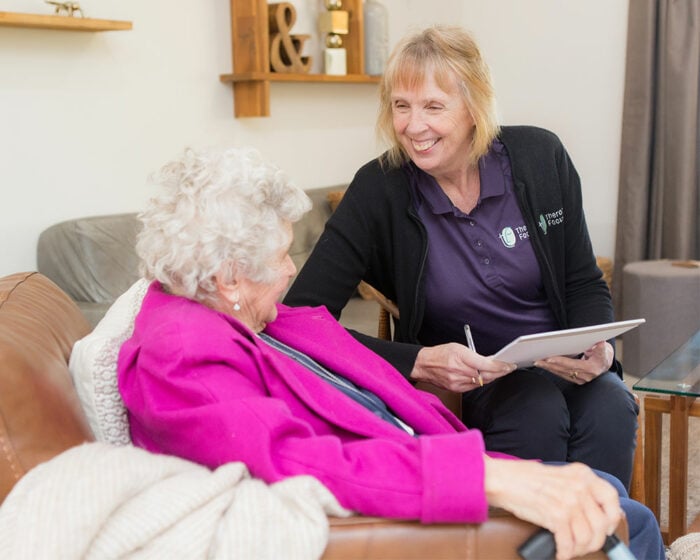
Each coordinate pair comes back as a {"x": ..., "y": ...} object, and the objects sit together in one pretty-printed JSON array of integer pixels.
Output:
[{"x": 222, "y": 212}]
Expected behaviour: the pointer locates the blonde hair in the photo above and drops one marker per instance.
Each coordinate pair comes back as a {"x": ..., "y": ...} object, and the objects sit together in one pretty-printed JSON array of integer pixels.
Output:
[
  {"x": 446, "y": 51},
  {"x": 221, "y": 212}
]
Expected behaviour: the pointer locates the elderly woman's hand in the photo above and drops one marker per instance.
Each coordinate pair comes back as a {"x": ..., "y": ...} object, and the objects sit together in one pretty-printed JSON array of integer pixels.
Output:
[
  {"x": 595, "y": 361},
  {"x": 456, "y": 368},
  {"x": 577, "y": 506}
]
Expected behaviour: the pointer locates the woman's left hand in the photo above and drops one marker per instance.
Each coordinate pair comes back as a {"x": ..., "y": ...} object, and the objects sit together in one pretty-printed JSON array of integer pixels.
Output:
[{"x": 596, "y": 360}]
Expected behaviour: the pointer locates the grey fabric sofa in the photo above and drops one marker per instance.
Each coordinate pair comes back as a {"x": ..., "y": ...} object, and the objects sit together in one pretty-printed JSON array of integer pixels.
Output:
[{"x": 93, "y": 260}]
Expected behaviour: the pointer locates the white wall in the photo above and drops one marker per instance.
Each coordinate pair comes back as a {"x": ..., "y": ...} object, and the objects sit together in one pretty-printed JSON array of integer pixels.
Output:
[
  {"x": 85, "y": 117},
  {"x": 561, "y": 65}
]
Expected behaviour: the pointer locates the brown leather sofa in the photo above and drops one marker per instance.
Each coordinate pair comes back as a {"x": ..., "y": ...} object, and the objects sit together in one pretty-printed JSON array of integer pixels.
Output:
[{"x": 41, "y": 416}]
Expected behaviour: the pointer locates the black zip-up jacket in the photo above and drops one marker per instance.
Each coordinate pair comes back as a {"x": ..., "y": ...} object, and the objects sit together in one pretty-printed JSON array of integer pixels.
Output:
[{"x": 375, "y": 235}]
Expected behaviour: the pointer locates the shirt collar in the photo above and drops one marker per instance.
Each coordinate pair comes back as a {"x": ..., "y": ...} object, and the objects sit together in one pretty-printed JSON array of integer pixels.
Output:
[{"x": 492, "y": 168}]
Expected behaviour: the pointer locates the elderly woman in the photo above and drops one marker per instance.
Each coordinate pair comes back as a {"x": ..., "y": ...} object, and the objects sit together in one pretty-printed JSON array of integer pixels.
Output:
[
  {"x": 217, "y": 371},
  {"x": 462, "y": 222}
]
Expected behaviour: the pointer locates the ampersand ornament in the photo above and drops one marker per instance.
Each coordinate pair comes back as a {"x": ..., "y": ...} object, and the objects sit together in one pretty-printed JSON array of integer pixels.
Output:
[{"x": 285, "y": 49}]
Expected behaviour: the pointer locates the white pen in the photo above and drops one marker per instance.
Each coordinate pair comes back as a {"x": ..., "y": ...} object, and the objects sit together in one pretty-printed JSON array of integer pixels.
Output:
[{"x": 470, "y": 344}]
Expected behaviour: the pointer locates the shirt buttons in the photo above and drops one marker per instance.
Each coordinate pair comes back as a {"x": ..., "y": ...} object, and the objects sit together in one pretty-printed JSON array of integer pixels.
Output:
[
  {"x": 487, "y": 261},
  {"x": 479, "y": 243}
]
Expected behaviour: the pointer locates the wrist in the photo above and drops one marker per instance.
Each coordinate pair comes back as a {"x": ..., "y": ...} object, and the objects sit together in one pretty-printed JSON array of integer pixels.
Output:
[
  {"x": 417, "y": 373},
  {"x": 493, "y": 481}
]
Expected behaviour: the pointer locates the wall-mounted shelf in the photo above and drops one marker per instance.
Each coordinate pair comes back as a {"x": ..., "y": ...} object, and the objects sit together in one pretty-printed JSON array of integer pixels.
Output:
[
  {"x": 66, "y": 23},
  {"x": 250, "y": 45},
  {"x": 281, "y": 77}
]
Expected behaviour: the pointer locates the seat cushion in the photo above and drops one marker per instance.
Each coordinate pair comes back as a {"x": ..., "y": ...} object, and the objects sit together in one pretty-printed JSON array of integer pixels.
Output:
[{"x": 40, "y": 413}]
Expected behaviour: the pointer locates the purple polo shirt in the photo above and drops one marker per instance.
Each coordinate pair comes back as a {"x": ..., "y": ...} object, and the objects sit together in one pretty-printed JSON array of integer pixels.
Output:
[{"x": 481, "y": 268}]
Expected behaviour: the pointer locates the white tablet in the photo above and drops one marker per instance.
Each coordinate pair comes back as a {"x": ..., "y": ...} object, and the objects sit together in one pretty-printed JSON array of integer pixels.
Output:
[{"x": 529, "y": 348}]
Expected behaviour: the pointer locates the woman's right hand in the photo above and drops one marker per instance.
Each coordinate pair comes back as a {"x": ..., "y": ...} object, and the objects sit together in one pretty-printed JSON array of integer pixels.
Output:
[
  {"x": 576, "y": 505},
  {"x": 455, "y": 367}
]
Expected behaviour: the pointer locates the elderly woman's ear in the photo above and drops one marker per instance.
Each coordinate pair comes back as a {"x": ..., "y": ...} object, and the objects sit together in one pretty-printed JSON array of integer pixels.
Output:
[{"x": 228, "y": 288}]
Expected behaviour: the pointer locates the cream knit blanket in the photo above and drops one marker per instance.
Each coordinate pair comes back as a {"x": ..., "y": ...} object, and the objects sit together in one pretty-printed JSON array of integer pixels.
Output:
[{"x": 97, "y": 501}]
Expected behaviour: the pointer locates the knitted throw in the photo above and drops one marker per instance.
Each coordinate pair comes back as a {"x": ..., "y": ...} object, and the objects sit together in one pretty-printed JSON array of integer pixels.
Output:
[{"x": 98, "y": 501}]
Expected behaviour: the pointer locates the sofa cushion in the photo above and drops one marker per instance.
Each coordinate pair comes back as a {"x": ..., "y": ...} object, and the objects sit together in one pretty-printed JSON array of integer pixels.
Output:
[
  {"x": 92, "y": 259},
  {"x": 40, "y": 414},
  {"x": 93, "y": 365}
]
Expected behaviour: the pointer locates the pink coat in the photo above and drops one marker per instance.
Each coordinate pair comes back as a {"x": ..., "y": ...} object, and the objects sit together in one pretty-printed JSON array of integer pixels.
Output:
[{"x": 200, "y": 385}]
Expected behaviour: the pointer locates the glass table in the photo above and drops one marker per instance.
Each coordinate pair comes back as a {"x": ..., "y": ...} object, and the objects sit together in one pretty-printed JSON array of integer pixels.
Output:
[{"x": 677, "y": 378}]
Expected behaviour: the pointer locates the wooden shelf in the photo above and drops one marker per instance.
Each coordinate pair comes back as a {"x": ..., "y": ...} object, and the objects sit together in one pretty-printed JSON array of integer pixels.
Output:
[
  {"x": 250, "y": 46},
  {"x": 280, "y": 77},
  {"x": 65, "y": 23}
]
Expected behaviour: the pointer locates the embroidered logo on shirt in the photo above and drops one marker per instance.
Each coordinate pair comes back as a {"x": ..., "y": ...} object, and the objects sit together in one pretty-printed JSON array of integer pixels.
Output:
[
  {"x": 551, "y": 219},
  {"x": 507, "y": 236},
  {"x": 510, "y": 236}
]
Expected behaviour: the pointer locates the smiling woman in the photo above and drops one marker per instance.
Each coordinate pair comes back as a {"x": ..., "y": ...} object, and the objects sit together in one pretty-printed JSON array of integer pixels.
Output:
[
  {"x": 462, "y": 221},
  {"x": 460, "y": 82},
  {"x": 435, "y": 130}
]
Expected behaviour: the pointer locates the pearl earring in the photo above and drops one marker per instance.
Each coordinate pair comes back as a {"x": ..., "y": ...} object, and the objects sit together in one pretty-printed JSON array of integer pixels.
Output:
[{"x": 236, "y": 306}]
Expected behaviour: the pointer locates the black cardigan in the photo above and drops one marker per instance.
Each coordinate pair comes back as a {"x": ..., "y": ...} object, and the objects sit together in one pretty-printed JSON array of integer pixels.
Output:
[{"x": 375, "y": 235}]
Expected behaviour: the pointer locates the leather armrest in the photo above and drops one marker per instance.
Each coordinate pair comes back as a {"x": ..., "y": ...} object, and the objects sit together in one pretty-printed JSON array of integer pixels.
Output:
[
  {"x": 40, "y": 413},
  {"x": 372, "y": 538}
]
